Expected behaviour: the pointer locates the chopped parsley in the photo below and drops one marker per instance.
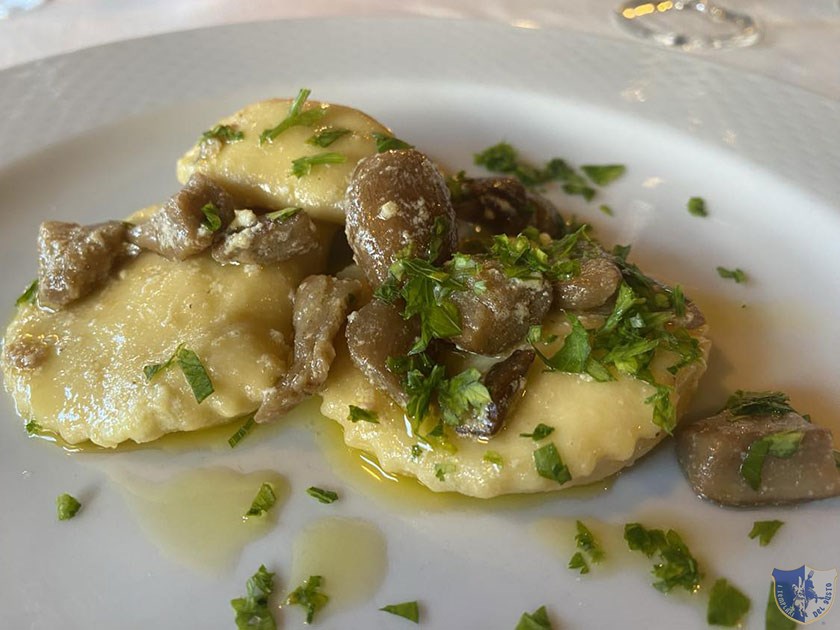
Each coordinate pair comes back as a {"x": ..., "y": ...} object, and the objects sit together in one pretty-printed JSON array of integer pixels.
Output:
[
  {"x": 212, "y": 220},
  {"x": 460, "y": 394},
  {"x": 774, "y": 619},
  {"x": 309, "y": 597},
  {"x": 586, "y": 542},
  {"x": 537, "y": 620},
  {"x": 727, "y": 605},
  {"x": 324, "y": 496},
  {"x": 282, "y": 215},
  {"x": 295, "y": 118},
  {"x": 263, "y": 502},
  {"x": 782, "y": 445},
  {"x": 358, "y": 414},
  {"x": 494, "y": 457},
  {"x": 29, "y": 295},
  {"x": 416, "y": 451},
  {"x": 326, "y": 137},
  {"x": 606, "y": 209},
  {"x": 244, "y": 430},
  {"x": 764, "y": 531},
  {"x": 303, "y": 165},
  {"x": 736, "y": 274},
  {"x": 406, "y": 610},
  {"x": 527, "y": 258},
  {"x": 578, "y": 562},
  {"x": 549, "y": 464},
  {"x": 540, "y": 432},
  {"x": 33, "y": 427},
  {"x": 66, "y": 506},
  {"x": 675, "y": 567},
  {"x": 441, "y": 470},
  {"x": 226, "y": 134},
  {"x": 604, "y": 174},
  {"x": 384, "y": 142},
  {"x": 744, "y": 403},
  {"x": 503, "y": 158},
  {"x": 621, "y": 252},
  {"x": 697, "y": 207},
  {"x": 253, "y": 611},
  {"x": 191, "y": 366},
  {"x": 678, "y": 300}
]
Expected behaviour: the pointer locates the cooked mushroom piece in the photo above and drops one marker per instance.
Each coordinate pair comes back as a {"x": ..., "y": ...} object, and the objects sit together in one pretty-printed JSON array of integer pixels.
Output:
[
  {"x": 760, "y": 459},
  {"x": 26, "y": 353},
  {"x": 596, "y": 283},
  {"x": 320, "y": 308},
  {"x": 505, "y": 381},
  {"x": 496, "y": 311},
  {"x": 397, "y": 204},
  {"x": 502, "y": 205},
  {"x": 266, "y": 239},
  {"x": 73, "y": 260},
  {"x": 376, "y": 332},
  {"x": 185, "y": 225}
]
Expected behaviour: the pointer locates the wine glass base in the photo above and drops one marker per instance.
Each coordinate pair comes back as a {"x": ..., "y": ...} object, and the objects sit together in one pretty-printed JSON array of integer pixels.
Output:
[{"x": 667, "y": 24}]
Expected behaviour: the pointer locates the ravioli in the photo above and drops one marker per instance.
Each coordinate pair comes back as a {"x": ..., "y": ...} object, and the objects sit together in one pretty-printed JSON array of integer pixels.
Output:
[
  {"x": 259, "y": 174},
  {"x": 237, "y": 319},
  {"x": 599, "y": 428}
]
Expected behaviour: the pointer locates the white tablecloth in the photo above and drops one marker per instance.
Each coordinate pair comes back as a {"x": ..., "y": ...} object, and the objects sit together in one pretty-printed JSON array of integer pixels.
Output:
[{"x": 801, "y": 43}]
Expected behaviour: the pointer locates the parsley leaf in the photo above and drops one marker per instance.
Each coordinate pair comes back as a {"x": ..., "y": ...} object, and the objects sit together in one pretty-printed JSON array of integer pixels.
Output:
[
  {"x": 191, "y": 366},
  {"x": 764, "y": 531},
  {"x": 303, "y": 165},
  {"x": 577, "y": 561},
  {"x": 33, "y": 427},
  {"x": 309, "y": 597},
  {"x": 574, "y": 353},
  {"x": 503, "y": 158},
  {"x": 664, "y": 412},
  {"x": 358, "y": 414},
  {"x": 549, "y": 464},
  {"x": 605, "y": 174},
  {"x": 464, "y": 391},
  {"x": 736, "y": 274},
  {"x": 782, "y": 445},
  {"x": 494, "y": 457},
  {"x": 744, "y": 403},
  {"x": 727, "y": 605},
  {"x": 606, "y": 209},
  {"x": 263, "y": 502},
  {"x": 282, "y": 215},
  {"x": 441, "y": 470},
  {"x": 676, "y": 566},
  {"x": 537, "y": 620},
  {"x": 295, "y": 118},
  {"x": 697, "y": 207},
  {"x": 212, "y": 220},
  {"x": 540, "y": 432},
  {"x": 244, "y": 430},
  {"x": 252, "y": 611},
  {"x": 326, "y": 137},
  {"x": 324, "y": 496},
  {"x": 66, "y": 506},
  {"x": 29, "y": 295},
  {"x": 384, "y": 142},
  {"x": 585, "y": 541},
  {"x": 407, "y": 610},
  {"x": 226, "y": 134},
  {"x": 774, "y": 619}
]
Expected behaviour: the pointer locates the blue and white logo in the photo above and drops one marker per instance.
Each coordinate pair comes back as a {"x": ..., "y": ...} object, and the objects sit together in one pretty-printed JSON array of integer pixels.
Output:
[{"x": 804, "y": 594}]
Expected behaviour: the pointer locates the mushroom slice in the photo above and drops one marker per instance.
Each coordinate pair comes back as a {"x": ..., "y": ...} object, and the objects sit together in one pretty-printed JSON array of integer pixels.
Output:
[
  {"x": 321, "y": 306},
  {"x": 26, "y": 353},
  {"x": 496, "y": 316},
  {"x": 398, "y": 204},
  {"x": 502, "y": 205},
  {"x": 596, "y": 283},
  {"x": 765, "y": 458},
  {"x": 376, "y": 332},
  {"x": 505, "y": 381},
  {"x": 184, "y": 225},
  {"x": 266, "y": 239},
  {"x": 73, "y": 260}
]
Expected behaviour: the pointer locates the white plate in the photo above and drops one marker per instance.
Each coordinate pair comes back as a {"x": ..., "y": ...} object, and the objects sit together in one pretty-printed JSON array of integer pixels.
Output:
[{"x": 95, "y": 135}]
